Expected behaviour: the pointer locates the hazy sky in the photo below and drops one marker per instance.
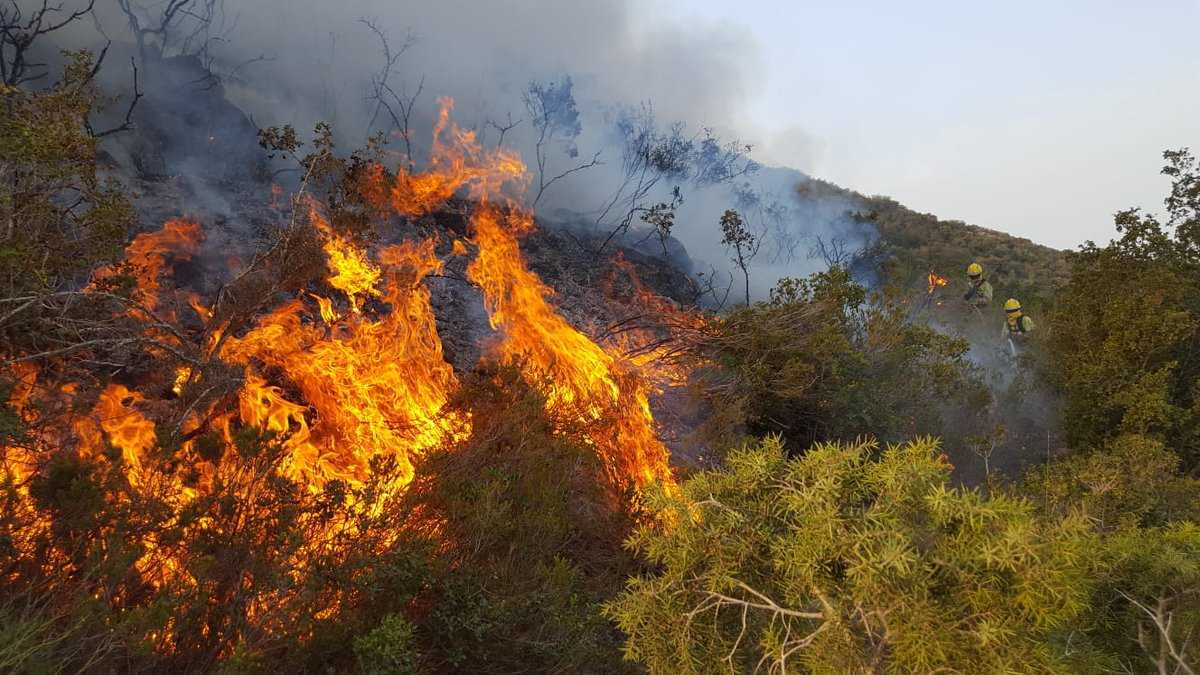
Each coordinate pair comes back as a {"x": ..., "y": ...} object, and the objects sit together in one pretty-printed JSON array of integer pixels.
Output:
[
  {"x": 1036, "y": 117},
  {"x": 1039, "y": 118}
]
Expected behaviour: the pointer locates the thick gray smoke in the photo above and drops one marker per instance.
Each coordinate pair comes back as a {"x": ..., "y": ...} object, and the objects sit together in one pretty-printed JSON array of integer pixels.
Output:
[{"x": 300, "y": 62}]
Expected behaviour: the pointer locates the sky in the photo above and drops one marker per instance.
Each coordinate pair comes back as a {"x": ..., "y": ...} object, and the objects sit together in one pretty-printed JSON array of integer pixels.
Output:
[{"x": 1039, "y": 118}]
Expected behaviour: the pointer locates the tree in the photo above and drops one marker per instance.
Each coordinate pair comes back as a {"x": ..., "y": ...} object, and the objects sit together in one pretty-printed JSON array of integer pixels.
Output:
[
  {"x": 399, "y": 106},
  {"x": 552, "y": 110},
  {"x": 745, "y": 244},
  {"x": 823, "y": 361},
  {"x": 182, "y": 26},
  {"x": 1146, "y": 603},
  {"x": 21, "y": 29},
  {"x": 650, "y": 156},
  {"x": 58, "y": 216},
  {"x": 1124, "y": 339},
  {"x": 849, "y": 559}
]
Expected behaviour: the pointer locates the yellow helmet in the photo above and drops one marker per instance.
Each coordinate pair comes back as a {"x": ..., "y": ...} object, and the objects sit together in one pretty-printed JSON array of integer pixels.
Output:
[
  {"x": 1012, "y": 305},
  {"x": 974, "y": 270}
]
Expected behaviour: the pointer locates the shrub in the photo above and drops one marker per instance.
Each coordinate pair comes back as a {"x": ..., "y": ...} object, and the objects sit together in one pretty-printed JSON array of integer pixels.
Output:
[{"x": 851, "y": 560}]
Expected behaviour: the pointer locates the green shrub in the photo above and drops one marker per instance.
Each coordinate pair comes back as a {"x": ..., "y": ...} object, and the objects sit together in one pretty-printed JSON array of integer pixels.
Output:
[
  {"x": 821, "y": 362},
  {"x": 389, "y": 649},
  {"x": 851, "y": 560}
]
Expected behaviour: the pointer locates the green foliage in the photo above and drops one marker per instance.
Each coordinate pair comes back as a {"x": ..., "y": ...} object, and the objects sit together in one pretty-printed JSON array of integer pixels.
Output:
[
  {"x": 57, "y": 216},
  {"x": 1124, "y": 345},
  {"x": 1131, "y": 482},
  {"x": 737, "y": 236},
  {"x": 821, "y": 362},
  {"x": 388, "y": 649},
  {"x": 1146, "y": 601},
  {"x": 851, "y": 560}
]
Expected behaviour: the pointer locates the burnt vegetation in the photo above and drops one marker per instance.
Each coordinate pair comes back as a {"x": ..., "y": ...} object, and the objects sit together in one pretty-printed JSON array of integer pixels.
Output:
[{"x": 363, "y": 435}]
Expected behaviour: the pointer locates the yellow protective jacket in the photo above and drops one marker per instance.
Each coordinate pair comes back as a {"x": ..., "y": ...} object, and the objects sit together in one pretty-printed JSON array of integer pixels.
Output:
[
  {"x": 979, "y": 294},
  {"x": 1016, "y": 326}
]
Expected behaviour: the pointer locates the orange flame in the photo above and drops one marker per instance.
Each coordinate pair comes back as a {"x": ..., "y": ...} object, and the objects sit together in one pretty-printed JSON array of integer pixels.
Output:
[
  {"x": 148, "y": 254},
  {"x": 341, "y": 388},
  {"x": 936, "y": 282},
  {"x": 352, "y": 273},
  {"x": 582, "y": 376},
  {"x": 377, "y": 385}
]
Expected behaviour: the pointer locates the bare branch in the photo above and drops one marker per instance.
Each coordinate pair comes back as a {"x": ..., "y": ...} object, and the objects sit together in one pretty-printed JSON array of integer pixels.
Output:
[
  {"x": 127, "y": 124},
  {"x": 18, "y": 35},
  {"x": 503, "y": 129}
]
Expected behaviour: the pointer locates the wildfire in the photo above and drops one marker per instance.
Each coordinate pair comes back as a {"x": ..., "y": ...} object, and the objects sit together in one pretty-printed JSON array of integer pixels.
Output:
[
  {"x": 377, "y": 384},
  {"x": 662, "y": 360},
  {"x": 936, "y": 282},
  {"x": 353, "y": 372},
  {"x": 148, "y": 255}
]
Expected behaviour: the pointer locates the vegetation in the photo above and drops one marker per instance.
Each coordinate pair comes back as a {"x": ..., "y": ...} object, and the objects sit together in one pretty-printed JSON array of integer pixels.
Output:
[
  {"x": 1124, "y": 346},
  {"x": 821, "y": 361},
  {"x": 912, "y": 244},
  {"x": 831, "y": 535},
  {"x": 58, "y": 217},
  {"x": 851, "y": 560}
]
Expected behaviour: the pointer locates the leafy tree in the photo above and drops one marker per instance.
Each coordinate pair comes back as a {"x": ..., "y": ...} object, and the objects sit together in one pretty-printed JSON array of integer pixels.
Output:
[
  {"x": 58, "y": 217},
  {"x": 1124, "y": 340},
  {"x": 388, "y": 649},
  {"x": 745, "y": 244},
  {"x": 851, "y": 560},
  {"x": 1146, "y": 600}
]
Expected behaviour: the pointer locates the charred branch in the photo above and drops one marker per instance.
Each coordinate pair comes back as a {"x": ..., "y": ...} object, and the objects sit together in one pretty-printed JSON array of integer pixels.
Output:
[
  {"x": 127, "y": 124},
  {"x": 19, "y": 32},
  {"x": 399, "y": 106},
  {"x": 503, "y": 128}
]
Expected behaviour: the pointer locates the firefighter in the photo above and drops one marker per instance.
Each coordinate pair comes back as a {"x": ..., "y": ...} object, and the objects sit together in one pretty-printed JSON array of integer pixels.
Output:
[
  {"x": 979, "y": 295},
  {"x": 1016, "y": 325}
]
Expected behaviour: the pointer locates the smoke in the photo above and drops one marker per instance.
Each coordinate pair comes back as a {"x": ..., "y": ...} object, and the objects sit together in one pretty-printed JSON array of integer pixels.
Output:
[{"x": 301, "y": 62}]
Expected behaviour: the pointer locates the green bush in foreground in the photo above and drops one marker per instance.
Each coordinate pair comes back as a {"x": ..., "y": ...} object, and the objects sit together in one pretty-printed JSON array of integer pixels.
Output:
[{"x": 850, "y": 559}]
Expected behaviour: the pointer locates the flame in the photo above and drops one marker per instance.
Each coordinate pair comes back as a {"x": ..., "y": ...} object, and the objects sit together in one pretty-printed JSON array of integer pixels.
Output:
[
  {"x": 351, "y": 272},
  {"x": 584, "y": 377},
  {"x": 345, "y": 374},
  {"x": 377, "y": 386},
  {"x": 125, "y": 427},
  {"x": 936, "y": 282},
  {"x": 652, "y": 347},
  {"x": 18, "y": 462},
  {"x": 149, "y": 252}
]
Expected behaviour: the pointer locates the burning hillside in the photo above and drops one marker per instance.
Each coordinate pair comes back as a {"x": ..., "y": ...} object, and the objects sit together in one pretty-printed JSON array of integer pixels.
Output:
[
  {"x": 373, "y": 382},
  {"x": 346, "y": 378}
]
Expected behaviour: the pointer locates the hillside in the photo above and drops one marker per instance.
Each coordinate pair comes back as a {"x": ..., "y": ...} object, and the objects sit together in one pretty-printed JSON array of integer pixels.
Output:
[{"x": 911, "y": 244}]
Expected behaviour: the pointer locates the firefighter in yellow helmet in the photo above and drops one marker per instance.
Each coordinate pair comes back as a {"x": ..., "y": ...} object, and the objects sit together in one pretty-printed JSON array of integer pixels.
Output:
[
  {"x": 979, "y": 291},
  {"x": 1016, "y": 324}
]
